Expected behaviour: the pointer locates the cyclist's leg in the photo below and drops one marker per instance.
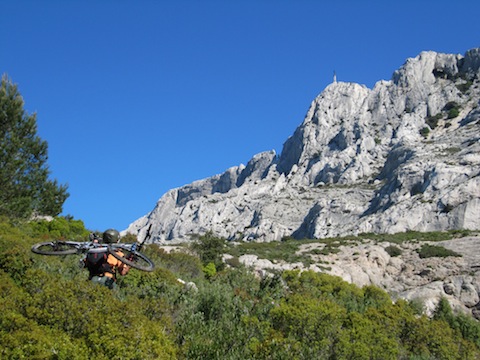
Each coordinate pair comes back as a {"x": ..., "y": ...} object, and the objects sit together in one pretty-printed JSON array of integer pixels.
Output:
[{"x": 105, "y": 281}]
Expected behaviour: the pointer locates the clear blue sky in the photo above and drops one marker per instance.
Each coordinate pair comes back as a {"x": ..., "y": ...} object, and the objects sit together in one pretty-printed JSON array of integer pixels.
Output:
[{"x": 138, "y": 97}]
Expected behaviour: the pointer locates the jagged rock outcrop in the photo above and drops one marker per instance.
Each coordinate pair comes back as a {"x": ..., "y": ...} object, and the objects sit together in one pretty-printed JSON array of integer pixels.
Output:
[{"x": 404, "y": 155}]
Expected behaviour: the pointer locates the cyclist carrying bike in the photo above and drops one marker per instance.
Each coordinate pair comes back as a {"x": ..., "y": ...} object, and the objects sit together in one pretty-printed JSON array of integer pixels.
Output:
[{"x": 102, "y": 266}]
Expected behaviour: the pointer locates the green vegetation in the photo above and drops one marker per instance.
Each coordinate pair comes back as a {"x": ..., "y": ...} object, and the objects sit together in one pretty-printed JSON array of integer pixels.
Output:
[
  {"x": 414, "y": 236},
  {"x": 452, "y": 109},
  {"x": 393, "y": 250},
  {"x": 464, "y": 87},
  {"x": 425, "y": 131},
  {"x": 432, "y": 121},
  {"x": 59, "y": 228},
  {"x": 50, "y": 310},
  {"x": 24, "y": 175},
  {"x": 453, "y": 150},
  {"x": 273, "y": 251},
  {"x": 288, "y": 249},
  {"x": 210, "y": 250},
  {"x": 427, "y": 251},
  {"x": 453, "y": 113}
]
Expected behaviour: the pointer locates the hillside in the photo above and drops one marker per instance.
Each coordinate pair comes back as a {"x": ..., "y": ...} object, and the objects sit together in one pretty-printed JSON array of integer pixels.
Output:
[
  {"x": 421, "y": 267},
  {"x": 403, "y": 156},
  {"x": 51, "y": 311}
]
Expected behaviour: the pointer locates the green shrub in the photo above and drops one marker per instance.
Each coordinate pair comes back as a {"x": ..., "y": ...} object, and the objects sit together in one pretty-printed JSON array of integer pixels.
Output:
[
  {"x": 130, "y": 238},
  {"x": 464, "y": 87},
  {"x": 375, "y": 297},
  {"x": 314, "y": 325},
  {"x": 425, "y": 131},
  {"x": 427, "y": 251},
  {"x": 59, "y": 228},
  {"x": 409, "y": 236},
  {"x": 210, "y": 249},
  {"x": 274, "y": 251},
  {"x": 450, "y": 105},
  {"x": 432, "y": 121},
  {"x": 453, "y": 113},
  {"x": 209, "y": 270},
  {"x": 469, "y": 327},
  {"x": 393, "y": 251},
  {"x": 452, "y": 109},
  {"x": 185, "y": 266},
  {"x": 157, "y": 284},
  {"x": 15, "y": 261}
]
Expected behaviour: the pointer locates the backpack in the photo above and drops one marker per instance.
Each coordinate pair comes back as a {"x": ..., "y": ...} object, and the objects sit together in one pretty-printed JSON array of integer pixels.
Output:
[{"x": 96, "y": 262}]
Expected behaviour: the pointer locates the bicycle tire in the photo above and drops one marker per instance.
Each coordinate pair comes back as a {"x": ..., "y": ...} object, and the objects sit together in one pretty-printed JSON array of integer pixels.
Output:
[
  {"x": 54, "y": 248},
  {"x": 141, "y": 262}
]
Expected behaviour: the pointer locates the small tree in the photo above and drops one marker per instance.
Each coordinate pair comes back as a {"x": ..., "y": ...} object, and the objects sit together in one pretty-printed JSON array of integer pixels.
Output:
[
  {"x": 25, "y": 187},
  {"x": 210, "y": 250}
]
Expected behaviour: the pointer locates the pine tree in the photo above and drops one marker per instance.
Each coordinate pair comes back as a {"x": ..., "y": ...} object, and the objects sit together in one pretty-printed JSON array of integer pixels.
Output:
[{"x": 25, "y": 187}]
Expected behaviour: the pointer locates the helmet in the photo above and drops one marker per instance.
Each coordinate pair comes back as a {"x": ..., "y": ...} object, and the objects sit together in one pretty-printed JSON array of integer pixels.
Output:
[{"x": 111, "y": 236}]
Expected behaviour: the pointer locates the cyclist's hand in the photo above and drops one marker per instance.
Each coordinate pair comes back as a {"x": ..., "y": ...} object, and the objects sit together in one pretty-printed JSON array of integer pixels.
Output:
[{"x": 124, "y": 269}]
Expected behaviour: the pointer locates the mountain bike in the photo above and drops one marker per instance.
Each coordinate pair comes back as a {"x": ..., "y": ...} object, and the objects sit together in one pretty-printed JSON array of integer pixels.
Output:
[{"x": 131, "y": 252}]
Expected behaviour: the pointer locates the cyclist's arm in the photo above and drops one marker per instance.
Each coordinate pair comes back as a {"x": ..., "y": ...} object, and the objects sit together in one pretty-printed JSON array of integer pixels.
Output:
[{"x": 117, "y": 264}]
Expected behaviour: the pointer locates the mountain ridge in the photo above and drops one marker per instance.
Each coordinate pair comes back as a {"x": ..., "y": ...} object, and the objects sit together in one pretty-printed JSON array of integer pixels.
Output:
[{"x": 401, "y": 156}]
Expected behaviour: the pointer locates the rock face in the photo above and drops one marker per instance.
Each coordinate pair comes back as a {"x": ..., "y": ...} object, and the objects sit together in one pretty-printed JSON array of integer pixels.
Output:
[{"x": 404, "y": 155}]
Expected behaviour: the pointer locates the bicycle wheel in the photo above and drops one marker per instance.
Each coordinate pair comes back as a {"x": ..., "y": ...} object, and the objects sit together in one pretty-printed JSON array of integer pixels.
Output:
[
  {"x": 55, "y": 248},
  {"x": 134, "y": 259}
]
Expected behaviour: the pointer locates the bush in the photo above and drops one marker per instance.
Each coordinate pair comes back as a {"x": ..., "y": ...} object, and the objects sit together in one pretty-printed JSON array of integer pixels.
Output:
[
  {"x": 465, "y": 86},
  {"x": 450, "y": 105},
  {"x": 210, "y": 249},
  {"x": 209, "y": 270},
  {"x": 427, "y": 251},
  {"x": 469, "y": 327},
  {"x": 425, "y": 131},
  {"x": 183, "y": 265},
  {"x": 59, "y": 228},
  {"x": 453, "y": 109},
  {"x": 453, "y": 113},
  {"x": 284, "y": 250},
  {"x": 393, "y": 251},
  {"x": 432, "y": 121}
]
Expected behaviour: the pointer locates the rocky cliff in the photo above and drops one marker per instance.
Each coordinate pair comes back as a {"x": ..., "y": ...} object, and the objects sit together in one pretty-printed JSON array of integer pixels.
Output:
[{"x": 404, "y": 155}]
